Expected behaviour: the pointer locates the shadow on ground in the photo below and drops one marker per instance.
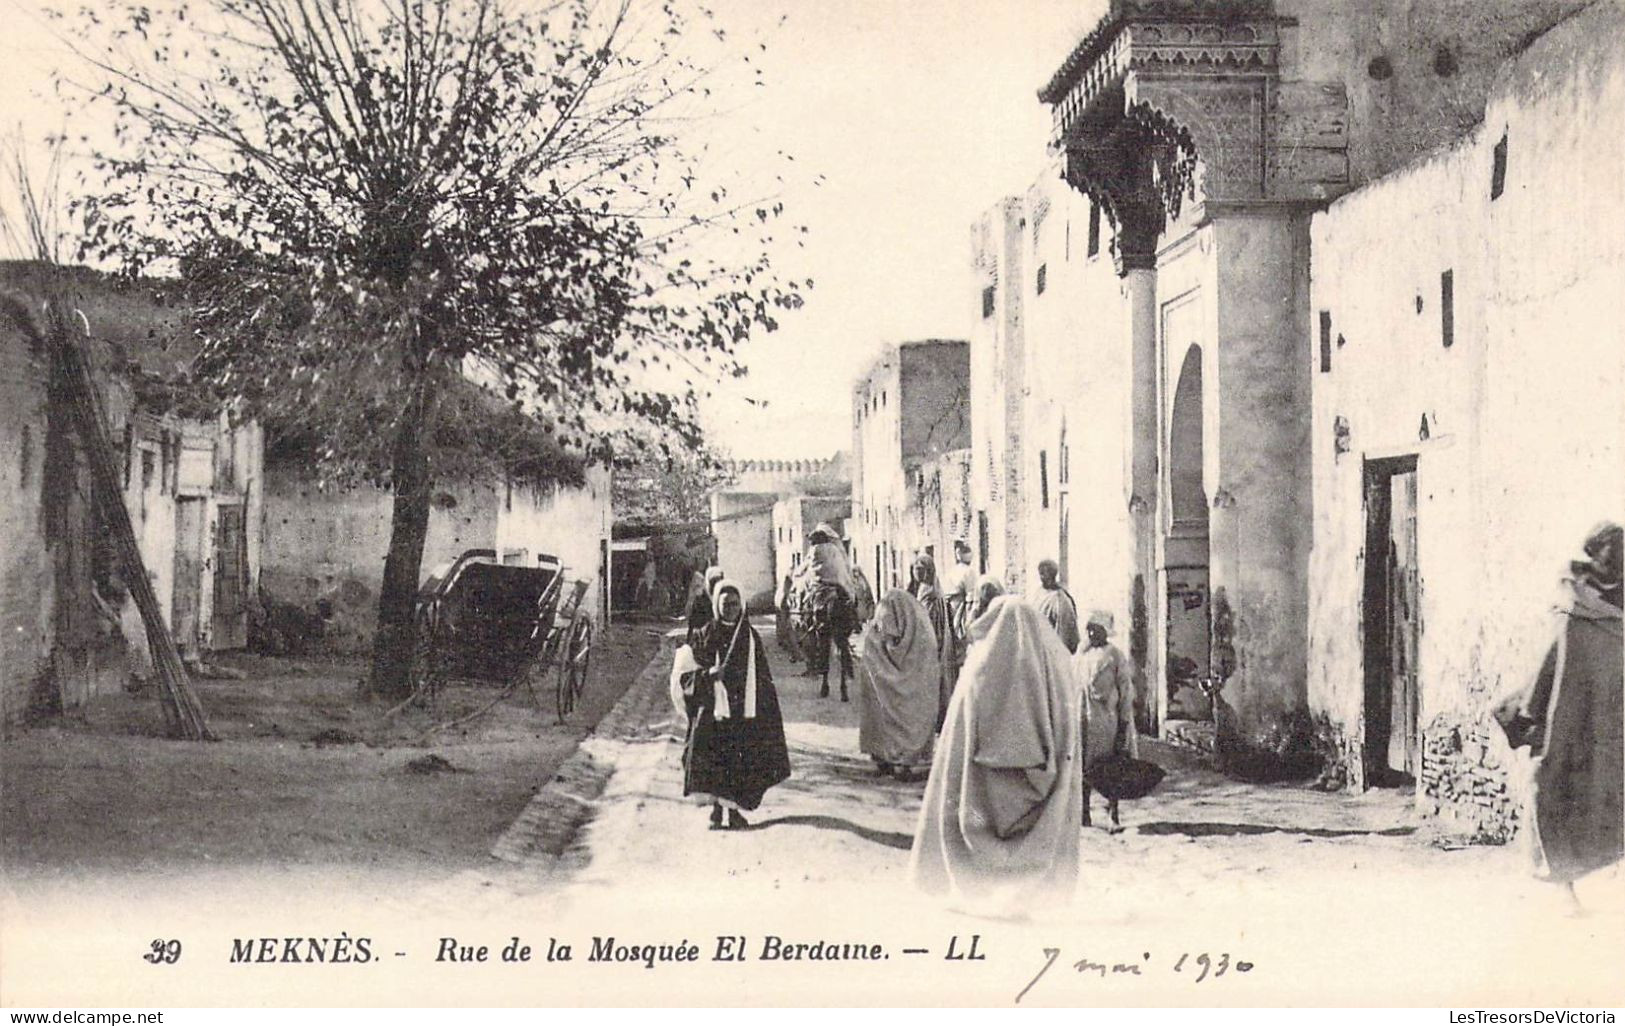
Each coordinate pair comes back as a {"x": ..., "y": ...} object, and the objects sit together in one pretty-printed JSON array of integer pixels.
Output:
[
  {"x": 1252, "y": 829},
  {"x": 902, "y": 842}
]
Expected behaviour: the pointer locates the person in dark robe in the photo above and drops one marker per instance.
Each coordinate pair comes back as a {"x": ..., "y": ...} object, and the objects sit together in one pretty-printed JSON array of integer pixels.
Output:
[
  {"x": 699, "y": 616},
  {"x": 1570, "y": 718},
  {"x": 736, "y": 748},
  {"x": 699, "y": 603}
]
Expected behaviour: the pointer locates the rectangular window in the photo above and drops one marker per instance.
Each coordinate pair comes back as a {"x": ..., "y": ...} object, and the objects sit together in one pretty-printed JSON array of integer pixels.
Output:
[
  {"x": 1447, "y": 308},
  {"x": 1043, "y": 479},
  {"x": 989, "y": 299},
  {"x": 1498, "y": 172},
  {"x": 1043, "y": 273},
  {"x": 1325, "y": 341},
  {"x": 1094, "y": 228},
  {"x": 981, "y": 541}
]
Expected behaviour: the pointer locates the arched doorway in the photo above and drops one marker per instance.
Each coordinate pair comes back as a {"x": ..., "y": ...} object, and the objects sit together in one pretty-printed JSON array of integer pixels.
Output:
[{"x": 1185, "y": 547}]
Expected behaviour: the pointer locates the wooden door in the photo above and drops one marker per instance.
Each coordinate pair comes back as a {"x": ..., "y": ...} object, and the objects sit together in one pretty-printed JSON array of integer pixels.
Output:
[
  {"x": 186, "y": 601},
  {"x": 1404, "y": 625},
  {"x": 230, "y": 617},
  {"x": 1391, "y": 621}
]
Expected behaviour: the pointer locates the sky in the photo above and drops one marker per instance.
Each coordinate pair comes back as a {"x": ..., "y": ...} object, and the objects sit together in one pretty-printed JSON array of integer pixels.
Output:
[
  {"x": 920, "y": 115},
  {"x": 906, "y": 120}
]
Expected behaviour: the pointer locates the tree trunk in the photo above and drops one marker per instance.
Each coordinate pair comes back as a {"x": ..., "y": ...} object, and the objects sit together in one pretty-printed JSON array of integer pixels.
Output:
[{"x": 409, "y": 525}]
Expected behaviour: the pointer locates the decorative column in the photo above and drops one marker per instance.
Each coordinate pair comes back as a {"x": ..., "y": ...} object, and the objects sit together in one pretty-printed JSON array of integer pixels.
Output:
[{"x": 1167, "y": 109}]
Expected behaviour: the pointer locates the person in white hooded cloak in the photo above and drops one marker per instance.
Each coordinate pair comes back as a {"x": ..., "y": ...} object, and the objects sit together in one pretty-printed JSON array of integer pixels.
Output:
[{"x": 998, "y": 828}]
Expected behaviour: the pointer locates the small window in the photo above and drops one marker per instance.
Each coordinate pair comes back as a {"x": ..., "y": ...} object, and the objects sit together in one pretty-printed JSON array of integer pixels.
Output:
[
  {"x": 1043, "y": 479},
  {"x": 988, "y": 301},
  {"x": 1094, "y": 229},
  {"x": 1043, "y": 273},
  {"x": 1447, "y": 308},
  {"x": 1498, "y": 173},
  {"x": 1325, "y": 341}
]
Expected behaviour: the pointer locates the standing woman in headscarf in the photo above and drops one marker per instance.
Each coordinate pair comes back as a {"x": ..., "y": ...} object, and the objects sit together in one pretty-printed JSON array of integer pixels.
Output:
[
  {"x": 1570, "y": 718},
  {"x": 922, "y": 584},
  {"x": 736, "y": 748},
  {"x": 897, "y": 687},
  {"x": 998, "y": 829}
]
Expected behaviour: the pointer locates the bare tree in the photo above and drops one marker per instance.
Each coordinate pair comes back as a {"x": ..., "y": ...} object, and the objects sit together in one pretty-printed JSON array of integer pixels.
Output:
[{"x": 370, "y": 199}]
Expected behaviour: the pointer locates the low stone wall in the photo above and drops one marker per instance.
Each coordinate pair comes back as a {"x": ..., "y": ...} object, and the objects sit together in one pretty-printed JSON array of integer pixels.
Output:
[{"x": 1465, "y": 780}]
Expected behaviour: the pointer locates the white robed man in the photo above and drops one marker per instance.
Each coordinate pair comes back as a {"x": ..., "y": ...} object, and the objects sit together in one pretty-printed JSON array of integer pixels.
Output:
[
  {"x": 1107, "y": 683},
  {"x": 998, "y": 825},
  {"x": 1055, "y": 604}
]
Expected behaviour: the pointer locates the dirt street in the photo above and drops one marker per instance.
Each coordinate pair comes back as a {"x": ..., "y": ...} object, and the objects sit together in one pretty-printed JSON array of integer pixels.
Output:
[
  {"x": 1290, "y": 877},
  {"x": 1340, "y": 898},
  {"x": 306, "y": 774}
]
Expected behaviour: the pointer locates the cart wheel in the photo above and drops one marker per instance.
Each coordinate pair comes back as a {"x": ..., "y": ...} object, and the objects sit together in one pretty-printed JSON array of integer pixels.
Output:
[
  {"x": 580, "y": 655},
  {"x": 574, "y": 648}
]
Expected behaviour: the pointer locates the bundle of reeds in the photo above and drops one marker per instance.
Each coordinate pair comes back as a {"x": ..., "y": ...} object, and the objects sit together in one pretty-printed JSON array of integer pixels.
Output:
[{"x": 71, "y": 370}]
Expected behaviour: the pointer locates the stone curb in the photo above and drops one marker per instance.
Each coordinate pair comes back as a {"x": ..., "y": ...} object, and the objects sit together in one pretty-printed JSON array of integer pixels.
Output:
[{"x": 550, "y": 821}]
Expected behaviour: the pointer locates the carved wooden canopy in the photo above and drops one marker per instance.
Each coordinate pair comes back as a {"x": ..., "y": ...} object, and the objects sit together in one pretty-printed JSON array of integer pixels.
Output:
[{"x": 1160, "y": 85}]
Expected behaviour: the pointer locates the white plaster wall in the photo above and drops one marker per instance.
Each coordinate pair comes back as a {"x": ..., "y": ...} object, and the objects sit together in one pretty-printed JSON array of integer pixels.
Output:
[
  {"x": 330, "y": 544},
  {"x": 997, "y": 380},
  {"x": 1554, "y": 417},
  {"x": 879, "y": 487},
  {"x": 1524, "y": 409},
  {"x": 742, "y": 523},
  {"x": 1077, "y": 371},
  {"x": 570, "y": 523}
]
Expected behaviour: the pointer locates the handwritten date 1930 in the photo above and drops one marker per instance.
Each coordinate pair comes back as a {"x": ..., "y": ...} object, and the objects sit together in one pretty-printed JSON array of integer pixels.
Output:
[{"x": 1197, "y": 968}]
